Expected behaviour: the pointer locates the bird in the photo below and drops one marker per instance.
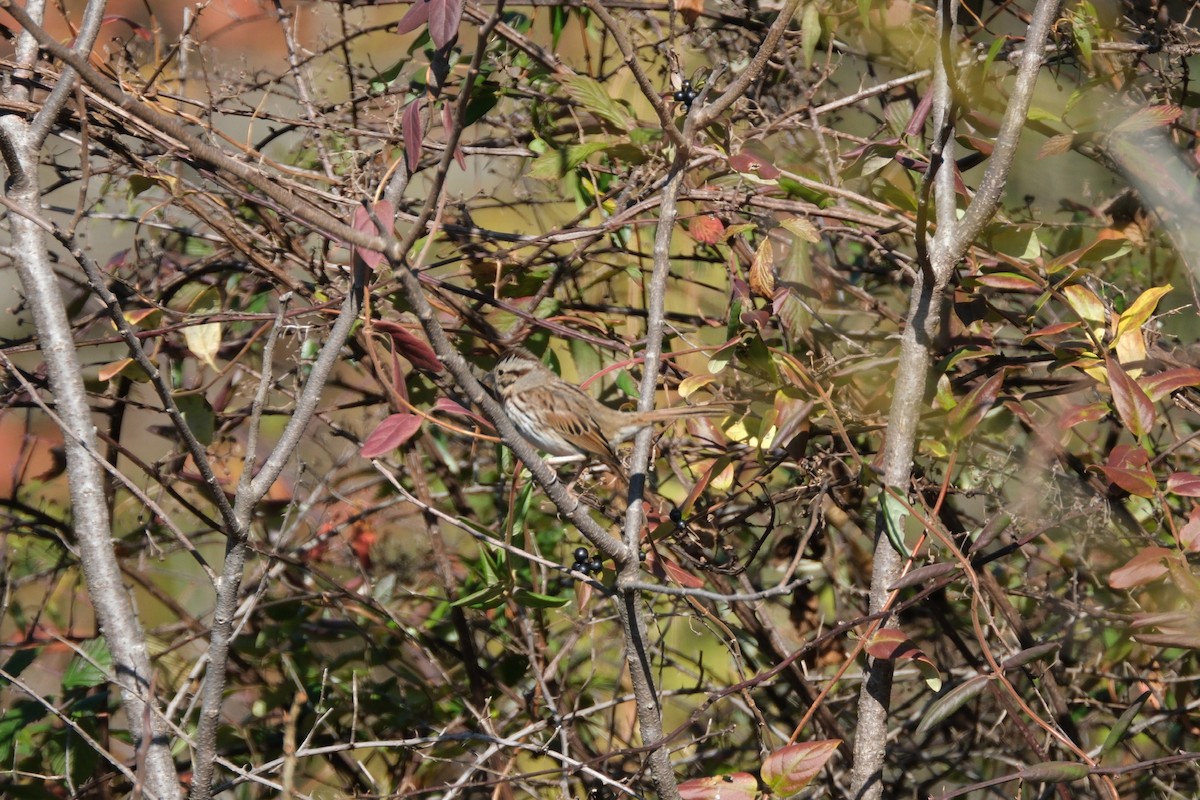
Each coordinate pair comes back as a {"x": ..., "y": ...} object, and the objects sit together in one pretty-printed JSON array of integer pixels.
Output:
[{"x": 560, "y": 418}]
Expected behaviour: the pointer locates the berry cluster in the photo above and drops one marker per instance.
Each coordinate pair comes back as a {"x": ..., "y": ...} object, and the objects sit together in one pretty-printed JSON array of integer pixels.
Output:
[
  {"x": 588, "y": 564},
  {"x": 686, "y": 93}
]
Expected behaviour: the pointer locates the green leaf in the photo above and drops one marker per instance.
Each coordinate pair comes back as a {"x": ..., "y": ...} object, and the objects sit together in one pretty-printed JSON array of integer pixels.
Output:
[
  {"x": 892, "y": 515},
  {"x": 198, "y": 415},
  {"x": 13, "y": 721},
  {"x": 993, "y": 51},
  {"x": 810, "y": 33},
  {"x": 950, "y": 702},
  {"x": 529, "y": 599},
  {"x": 558, "y": 23},
  {"x": 1122, "y": 725},
  {"x": 383, "y": 80},
  {"x": 556, "y": 164},
  {"x": 1055, "y": 772},
  {"x": 592, "y": 96},
  {"x": 90, "y": 671},
  {"x": 487, "y": 597}
]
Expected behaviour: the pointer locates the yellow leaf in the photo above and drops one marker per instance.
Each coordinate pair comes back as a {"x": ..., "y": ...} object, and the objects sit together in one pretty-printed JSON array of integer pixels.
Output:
[
  {"x": 1087, "y": 305},
  {"x": 1139, "y": 312},
  {"x": 762, "y": 271},
  {"x": 689, "y": 385}
]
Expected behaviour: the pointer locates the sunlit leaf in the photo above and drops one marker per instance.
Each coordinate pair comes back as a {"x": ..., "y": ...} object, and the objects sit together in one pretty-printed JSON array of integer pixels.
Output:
[
  {"x": 810, "y": 32},
  {"x": 204, "y": 340},
  {"x": 1056, "y": 145},
  {"x": 737, "y": 786},
  {"x": 762, "y": 269},
  {"x": 791, "y": 768},
  {"x": 706, "y": 229},
  {"x": 126, "y": 367},
  {"x": 1087, "y": 305},
  {"x": 1147, "y": 118},
  {"x": 1140, "y": 310},
  {"x": 592, "y": 96},
  {"x": 803, "y": 228},
  {"x": 90, "y": 669},
  {"x": 1011, "y": 281}
]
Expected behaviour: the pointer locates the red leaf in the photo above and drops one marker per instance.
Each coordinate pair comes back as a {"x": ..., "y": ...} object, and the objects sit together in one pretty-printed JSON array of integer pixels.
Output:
[
  {"x": 1160, "y": 385},
  {"x": 1050, "y": 330},
  {"x": 1133, "y": 406},
  {"x": 891, "y": 643},
  {"x": 680, "y": 575},
  {"x": 418, "y": 15},
  {"x": 444, "y": 16},
  {"x": 738, "y": 786},
  {"x": 447, "y": 406},
  {"x": 390, "y": 434},
  {"x": 412, "y": 131},
  {"x": 1184, "y": 483},
  {"x": 1189, "y": 534},
  {"x": 706, "y": 229},
  {"x": 1080, "y": 414},
  {"x": 407, "y": 344},
  {"x": 1128, "y": 468},
  {"x": 746, "y": 162},
  {"x": 1143, "y": 568},
  {"x": 364, "y": 222},
  {"x": 1011, "y": 281},
  {"x": 138, "y": 30},
  {"x": 791, "y": 768}
]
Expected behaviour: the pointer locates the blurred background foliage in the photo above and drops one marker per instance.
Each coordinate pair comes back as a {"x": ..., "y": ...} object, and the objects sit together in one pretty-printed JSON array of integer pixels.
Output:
[{"x": 423, "y": 606}]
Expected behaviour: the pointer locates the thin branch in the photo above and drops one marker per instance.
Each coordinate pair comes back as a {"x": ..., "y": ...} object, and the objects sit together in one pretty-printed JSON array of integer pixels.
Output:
[{"x": 704, "y": 594}]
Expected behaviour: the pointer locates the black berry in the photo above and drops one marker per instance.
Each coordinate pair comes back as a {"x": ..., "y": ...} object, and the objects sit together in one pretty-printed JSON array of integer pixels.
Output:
[
  {"x": 676, "y": 516},
  {"x": 581, "y": 555},
  {"x": 596, "y": 566}
]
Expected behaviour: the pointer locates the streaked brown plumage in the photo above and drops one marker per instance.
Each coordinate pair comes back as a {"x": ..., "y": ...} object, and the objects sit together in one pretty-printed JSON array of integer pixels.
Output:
[{"x": 558, "y": 417}]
